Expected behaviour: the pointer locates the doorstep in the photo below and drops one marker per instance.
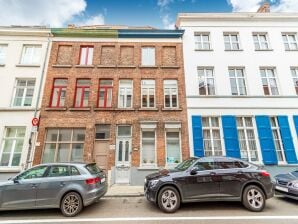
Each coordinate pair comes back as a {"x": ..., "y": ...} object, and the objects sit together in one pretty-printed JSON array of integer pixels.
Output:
[{"x": 120, "y": 190}]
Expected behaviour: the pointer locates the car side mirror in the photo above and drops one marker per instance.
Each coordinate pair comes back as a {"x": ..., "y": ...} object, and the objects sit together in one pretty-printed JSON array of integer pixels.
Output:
[
  {"x": 194, "y": 171},
  {"x": 15, "y": 180}
]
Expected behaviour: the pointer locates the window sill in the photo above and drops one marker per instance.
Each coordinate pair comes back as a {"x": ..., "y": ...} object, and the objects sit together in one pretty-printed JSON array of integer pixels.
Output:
[
  {"x": 153, "y": 167},
  {"x": 80, "y": 109},
  {"x": 170, "y": 66},
  {"x": 103, "y": 109},
  {"x": 235, "y": 50},
  {"x": 106, "y": 66},
  {"x": 17, "y": 108},
  {"x": 84, "y": 66},
  {"x": 125, "y": 109},
  {"x": 203, "y": 49},
  {"x": 148, "y": 66},
  {"x": 148, "y": 109},
  {"x": 61, "y": 66},
  {"x": 126, "y": 66},
  {"x": 263, "y": 49},
  {"x": 23, "y": 65},
  {"x": 55, "y": 109},
  {"x": 171, "y": 109},
  {"x": 292, "y": 50},
  {"x": 5, "y": 169}
]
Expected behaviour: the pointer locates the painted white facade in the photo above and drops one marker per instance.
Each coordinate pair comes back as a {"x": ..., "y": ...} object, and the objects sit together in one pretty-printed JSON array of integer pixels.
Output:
[
  {"x": 13, "y": 69},
  {"x": 255, "y": 102}
]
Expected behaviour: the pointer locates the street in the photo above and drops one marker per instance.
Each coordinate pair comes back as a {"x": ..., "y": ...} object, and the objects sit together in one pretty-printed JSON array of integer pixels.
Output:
[{"x": 138, "y": 210}]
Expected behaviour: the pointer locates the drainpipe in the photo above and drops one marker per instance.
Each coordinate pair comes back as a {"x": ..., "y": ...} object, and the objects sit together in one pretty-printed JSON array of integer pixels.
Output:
[{"x": 32, "y": 133}]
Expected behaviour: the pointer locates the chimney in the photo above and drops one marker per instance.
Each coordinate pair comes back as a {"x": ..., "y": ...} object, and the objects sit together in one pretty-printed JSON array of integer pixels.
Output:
[
  {"x": 70, "y": 26},
  {"x": 265, "y": 8}
]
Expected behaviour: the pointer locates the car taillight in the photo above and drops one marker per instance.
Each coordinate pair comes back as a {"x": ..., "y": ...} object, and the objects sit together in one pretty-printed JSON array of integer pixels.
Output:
[
  {"x": 265, "y": 174},
  {"x": 92, "y": 180}
]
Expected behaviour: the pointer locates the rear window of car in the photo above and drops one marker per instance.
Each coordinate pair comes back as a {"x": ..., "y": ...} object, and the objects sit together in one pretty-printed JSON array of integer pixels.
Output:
[{"x": 93, "y": 169}]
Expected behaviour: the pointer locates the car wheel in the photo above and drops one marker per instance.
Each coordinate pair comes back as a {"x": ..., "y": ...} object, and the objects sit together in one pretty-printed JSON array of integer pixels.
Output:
[
  {"x": 71, "y": 204},
  {"x": 168, "y": 199},
  {"x": 253, "y": 198}
]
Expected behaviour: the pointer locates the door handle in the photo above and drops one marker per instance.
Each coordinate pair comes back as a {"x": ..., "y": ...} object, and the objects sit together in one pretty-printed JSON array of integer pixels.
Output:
[
  {"x": 62, "y": 184},
  {"x": 240, "y": 172},
  {"x": 212, "y": 173},
  {"x": 33, "y": 186}
]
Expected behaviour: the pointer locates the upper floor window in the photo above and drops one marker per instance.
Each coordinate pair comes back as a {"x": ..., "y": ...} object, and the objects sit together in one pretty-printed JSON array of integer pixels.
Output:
[
  {"x": 148, "y": 56},
  {"x": 125, "y": 94},
  {"x": 295, "y": 78},
  {"x": 59, "y": 93},
  {"x": 202, "y": 41},
  {"x": 237, "y": 81},
  {"x": 148, "y": 93},
  {"x": 269, "y": 81},
  {"x": 82, "y": 92},
  {"x": 23, "y": 92},
  {"x": 86, "y": 55},
  {"x": 105, "y": 93},
  {"x": 31, "y": 55},
  {"x": 290, "y": 41},
  {"x": 170, "y": 94},
  {"x": 12, "y": 146},
  {"x": 3, "y": 48},
  {"x": 206, "y": 81},
  {"x": 232, "y": 41},
  {"x": 261, "y": 41}
]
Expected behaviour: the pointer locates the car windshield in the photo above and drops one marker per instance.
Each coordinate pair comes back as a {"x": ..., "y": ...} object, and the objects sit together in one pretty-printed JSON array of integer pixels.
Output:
[
  {"x": 93, "y": 169},
  {"x": 295, "y": 173},
  {"x": 185, "y": 164}
]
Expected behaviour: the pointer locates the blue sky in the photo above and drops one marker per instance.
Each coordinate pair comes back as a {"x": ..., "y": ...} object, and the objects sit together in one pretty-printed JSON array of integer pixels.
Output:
[{"x": 156, "y": 13}]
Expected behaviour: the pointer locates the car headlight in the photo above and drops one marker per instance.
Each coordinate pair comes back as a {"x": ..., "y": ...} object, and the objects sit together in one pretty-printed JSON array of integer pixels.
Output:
[
  {"x": 153, "y": 183},
  {"x": 145, "y": 181},
  {"x": 274, "y": 181},
  {"x": 295, "y": 185}
]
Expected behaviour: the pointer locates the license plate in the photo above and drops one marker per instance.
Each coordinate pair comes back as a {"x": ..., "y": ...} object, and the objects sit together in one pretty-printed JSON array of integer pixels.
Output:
[
  {"x": 281, "y": 188},
  {"x": 103, "y": 180}
]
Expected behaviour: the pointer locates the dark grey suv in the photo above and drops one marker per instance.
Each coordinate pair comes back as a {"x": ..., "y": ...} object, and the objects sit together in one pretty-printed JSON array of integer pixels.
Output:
[
  {"x": 68, "y": 186},
  {"x": 210, "y": 179}
]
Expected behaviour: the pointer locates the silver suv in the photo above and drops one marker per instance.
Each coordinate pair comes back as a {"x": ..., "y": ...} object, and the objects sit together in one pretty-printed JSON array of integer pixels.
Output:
[{"x": 68, "y": 186}]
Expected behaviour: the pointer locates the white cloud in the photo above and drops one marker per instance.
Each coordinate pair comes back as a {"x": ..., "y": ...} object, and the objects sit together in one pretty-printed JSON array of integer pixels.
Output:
[
  {"x": 164, "y": 3},
  {"x": 253, "y": 5},
  {"x": 93, "y": 20},
  {"x": 167, "y": 22},
  {"x": 54, "y": 13}
]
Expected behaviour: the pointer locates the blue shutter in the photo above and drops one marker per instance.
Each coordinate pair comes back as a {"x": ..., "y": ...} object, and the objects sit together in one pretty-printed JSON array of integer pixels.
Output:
[
  {"x": 266, "y": 140},
  {"x": 296, "y": 123},
  {"x": 287, "y": 139},
  {"x": 231, "y": 136},
  {"x": 197, "y": 133}
]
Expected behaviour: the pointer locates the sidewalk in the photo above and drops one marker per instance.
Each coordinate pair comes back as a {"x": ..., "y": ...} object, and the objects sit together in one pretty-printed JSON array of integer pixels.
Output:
[{"x": 125, "y": 191}]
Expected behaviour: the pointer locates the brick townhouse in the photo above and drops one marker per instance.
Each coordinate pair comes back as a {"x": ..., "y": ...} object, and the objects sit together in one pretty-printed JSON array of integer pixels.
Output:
[{"x": 115, "y": 96}]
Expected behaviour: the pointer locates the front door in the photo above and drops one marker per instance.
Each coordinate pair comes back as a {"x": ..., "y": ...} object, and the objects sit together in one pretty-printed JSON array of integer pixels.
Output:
[
  {"x": 123, "y": 152},
  {"x": 101, "y": 154}
]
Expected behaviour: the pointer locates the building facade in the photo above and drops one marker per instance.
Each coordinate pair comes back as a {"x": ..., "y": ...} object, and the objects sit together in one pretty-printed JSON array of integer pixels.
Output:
[
  {"x": 115, "y": 97},
  {"x": 241, "y": 74},
  {"x": 22, "y": 61}
]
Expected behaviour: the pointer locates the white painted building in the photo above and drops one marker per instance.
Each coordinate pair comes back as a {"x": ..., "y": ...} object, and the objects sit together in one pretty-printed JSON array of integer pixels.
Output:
[
  {"x": 241, "y": 72},
  {"x": 23, "y": 53}
]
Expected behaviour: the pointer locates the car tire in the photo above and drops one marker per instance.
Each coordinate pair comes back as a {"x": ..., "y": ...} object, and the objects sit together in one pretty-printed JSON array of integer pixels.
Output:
[
  {"x": 253, "y": 198},
  {"x": 168, "y": 199},
  {"x": 71, "y": 204}
]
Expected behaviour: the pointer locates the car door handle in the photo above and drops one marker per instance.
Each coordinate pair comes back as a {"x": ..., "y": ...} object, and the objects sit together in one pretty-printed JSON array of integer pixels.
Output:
[
  {"x": 33, "y": 186},
  {"x": 212, "y": 173},
  {"x": 240, "y": 172},
  {"x": 62, "y": 184}
]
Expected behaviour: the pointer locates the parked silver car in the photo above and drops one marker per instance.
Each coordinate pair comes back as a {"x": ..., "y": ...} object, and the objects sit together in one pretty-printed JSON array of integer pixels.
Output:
[{"x": 68, "y": 186}]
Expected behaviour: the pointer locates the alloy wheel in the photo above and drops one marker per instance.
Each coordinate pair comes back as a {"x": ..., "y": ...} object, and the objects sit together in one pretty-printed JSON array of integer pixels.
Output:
[
  {"x": 71, "y": 204},
  {"x": 255, "y": 198},
  {"x": 169, "y": 199}
]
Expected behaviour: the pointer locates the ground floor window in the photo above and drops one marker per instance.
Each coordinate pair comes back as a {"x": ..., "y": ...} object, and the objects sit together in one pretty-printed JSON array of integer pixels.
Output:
[
  {"x": 12, "y": 146},
  {"x": 148, "y": 147},
  {"x": 247, "y": 139},
  {"x": 277, "y": 139},
  {"x": 212, "y": 136},
  {"x": 173, "y": 147},
  {"x": 64, "y": 145}
]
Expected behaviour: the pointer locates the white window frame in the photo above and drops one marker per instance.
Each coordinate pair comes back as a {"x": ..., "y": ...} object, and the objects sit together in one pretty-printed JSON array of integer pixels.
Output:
[
  {"x": 200, "y": 43},
  {"x": 245, "y": 129},
  {"x": 155, "y": 151},
  {"x": 3, "y": 51},
  {"x": 237, "y": 80},
  {"x": 166, "y": 146},
  {"x": 294, "y": 71},
  {"x": 259, "y": 43},
  {"x": 15, "y": 138},
  {"x": 145, "y": 90},
  {"x": 35, "y": 52},
  {"x": 267, "y": 77},
  {"x": 206, "y": 78},
  {"x": 210, "y": 128},
  {"x": 286, "y": 40},
  {"x": 279, "y": 139},
  {"x": 126, "y": 87},
  {"x": 230, "y": 42},
  {"x": 148, "y": 56},
  {"x": 25, "y": 91},
  {"x": 171, "y": 88},
  {"x": 86, "y": 58}
]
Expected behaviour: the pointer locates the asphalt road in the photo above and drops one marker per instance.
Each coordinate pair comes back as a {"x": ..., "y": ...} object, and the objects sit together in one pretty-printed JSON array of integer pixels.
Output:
[{"x": 138, "y": 210}]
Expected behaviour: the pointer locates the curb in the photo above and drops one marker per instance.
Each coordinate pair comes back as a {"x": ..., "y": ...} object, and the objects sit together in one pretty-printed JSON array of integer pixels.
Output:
[{"x": 123, "y": 195}]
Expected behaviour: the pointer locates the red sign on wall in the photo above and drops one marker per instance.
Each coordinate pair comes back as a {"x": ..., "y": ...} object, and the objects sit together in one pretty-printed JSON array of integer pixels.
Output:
[{"x": 35, "y": 121}]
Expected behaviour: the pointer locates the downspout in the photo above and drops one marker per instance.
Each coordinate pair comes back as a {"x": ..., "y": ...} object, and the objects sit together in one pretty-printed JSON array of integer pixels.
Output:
[{"x": 32, "y": 133}]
